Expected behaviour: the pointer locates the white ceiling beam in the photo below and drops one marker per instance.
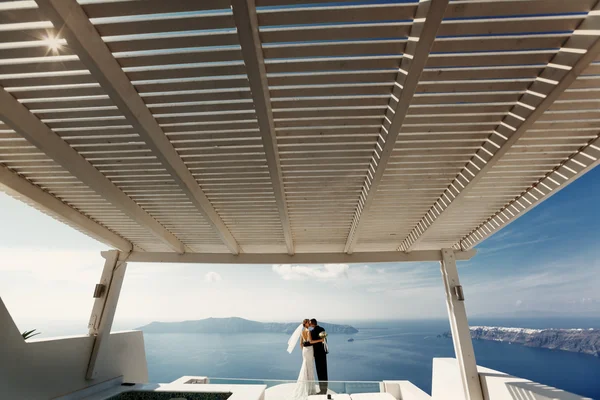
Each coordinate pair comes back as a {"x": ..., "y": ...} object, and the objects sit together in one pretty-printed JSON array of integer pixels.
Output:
[
  {"x": 426, "y": 23},
  {"x": 244, "y": 13},
  {"x": 577, "y": 165},
  {"x": 20, "y": 188},
  {"x": 73, "y": 24},
  {"x": 298, "y": 258},
  {"x": 15, "y": 115},
  {"x": 532, "y": 105}
]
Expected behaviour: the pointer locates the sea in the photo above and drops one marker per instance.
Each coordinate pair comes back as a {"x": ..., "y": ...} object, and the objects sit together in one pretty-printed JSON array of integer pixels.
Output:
[{"x": 400, "y": 350}]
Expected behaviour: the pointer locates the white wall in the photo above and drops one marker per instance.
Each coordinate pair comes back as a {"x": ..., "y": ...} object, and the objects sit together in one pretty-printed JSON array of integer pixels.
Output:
[
  {"x": 446, "y": 384},
  {"x": 404, "y": 390},
  {"x": 48, "y": 368},
  {"x": 500, "y": 386}
]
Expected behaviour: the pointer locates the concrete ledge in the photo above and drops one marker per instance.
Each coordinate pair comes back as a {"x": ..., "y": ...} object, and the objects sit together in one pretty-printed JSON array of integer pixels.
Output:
[
  {"x": 404, "y": 390},
  {"x": 92, "y": 390},
  {"x": 496, "y": 385},
  {"x": 500, "y": 386}
]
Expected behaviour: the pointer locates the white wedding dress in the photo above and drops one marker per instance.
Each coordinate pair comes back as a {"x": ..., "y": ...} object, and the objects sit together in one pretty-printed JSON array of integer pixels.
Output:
[{"x": 306, "y": 385}]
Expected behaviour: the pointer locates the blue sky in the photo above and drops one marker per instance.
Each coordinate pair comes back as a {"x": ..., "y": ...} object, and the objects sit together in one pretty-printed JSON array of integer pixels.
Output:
[{"x": 548, "y": 260}]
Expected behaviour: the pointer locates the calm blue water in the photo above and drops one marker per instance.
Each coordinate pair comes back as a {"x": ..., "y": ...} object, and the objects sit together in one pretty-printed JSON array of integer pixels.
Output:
[{"x": 382, "y": 350}]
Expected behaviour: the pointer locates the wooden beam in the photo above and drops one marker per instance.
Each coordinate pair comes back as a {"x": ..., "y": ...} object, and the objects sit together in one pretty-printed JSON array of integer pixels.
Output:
[
  {"x": 26, "y": 191},
  {"x": 244, "y": 13},
  {"x": 298, "y": 258},
  {"x": 85, "y": 40},
  {"x": 527, "y": 111},
  {"x": 427, "y": 21},
  {"x": 103, "y": 311},
  {"x": 15, "y": 115},
  {"x": 573, "y": 168},
  {"x": 459, "y": 325}
]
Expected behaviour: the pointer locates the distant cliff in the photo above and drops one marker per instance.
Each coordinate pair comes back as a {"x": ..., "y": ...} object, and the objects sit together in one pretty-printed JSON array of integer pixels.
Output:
[
  {"x": 575, "y": 340},
  {"x": 235, "y": 325}
]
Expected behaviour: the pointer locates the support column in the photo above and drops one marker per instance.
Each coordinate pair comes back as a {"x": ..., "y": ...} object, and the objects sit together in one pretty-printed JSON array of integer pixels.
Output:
[
  {"x": 103, "y": 312},
  {"x": 461, "y": 336}
]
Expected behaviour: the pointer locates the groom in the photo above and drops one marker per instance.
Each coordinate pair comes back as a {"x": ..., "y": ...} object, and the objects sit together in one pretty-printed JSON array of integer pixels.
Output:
[{"x": 320, "y": 356}]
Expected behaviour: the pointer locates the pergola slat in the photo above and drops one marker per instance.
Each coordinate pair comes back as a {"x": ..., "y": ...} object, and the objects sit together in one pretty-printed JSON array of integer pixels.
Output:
[
  {"x": 280, "y": 112},
  {"x": 244, "y": 12},
  {"x": 408, "y": 80},
  {"x": 485, "y": 159},
  {"x": 22, "y": 121},
  {"x": 80, "y": 34},
  {"x": 22, "y": 189}
]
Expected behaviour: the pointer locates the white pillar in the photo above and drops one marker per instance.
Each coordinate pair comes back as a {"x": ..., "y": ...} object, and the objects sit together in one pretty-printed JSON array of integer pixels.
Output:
[
  {"x": 461, "y": 336},
  {"x": 103, "y": 312}
]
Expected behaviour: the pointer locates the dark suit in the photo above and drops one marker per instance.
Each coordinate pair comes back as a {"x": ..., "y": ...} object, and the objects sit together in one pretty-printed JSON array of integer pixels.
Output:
[{"x": 320, "y": 358}]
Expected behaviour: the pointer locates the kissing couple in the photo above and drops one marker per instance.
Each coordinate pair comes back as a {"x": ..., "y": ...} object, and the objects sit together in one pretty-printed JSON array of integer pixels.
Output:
[{"x": 313, "y": 342}]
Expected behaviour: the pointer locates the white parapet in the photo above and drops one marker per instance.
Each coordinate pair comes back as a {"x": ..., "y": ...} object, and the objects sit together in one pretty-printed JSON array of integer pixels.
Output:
[
  {"x": 501, "y": 386},
  {"x": 404, "y": 390},
  {"x": 48, "y": 368},
  {"x": 496, "y": 385}
]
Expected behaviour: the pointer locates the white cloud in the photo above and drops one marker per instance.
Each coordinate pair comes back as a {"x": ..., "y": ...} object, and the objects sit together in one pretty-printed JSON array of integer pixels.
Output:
[
  {"x": 213, "y": 277},
  {"x": 569, "y": 275},
  {"x": 561, "y": 284},
  {"x": 397, "y": 282},
  {"x": 377, "y": 290},
  {"x": 395, "y": 278},
  {"x": 39, "y": 285},
  {"x": 300, "y": 272},
  {"x": 512, "y": 244},
  {"x": 52, "y": 265}
]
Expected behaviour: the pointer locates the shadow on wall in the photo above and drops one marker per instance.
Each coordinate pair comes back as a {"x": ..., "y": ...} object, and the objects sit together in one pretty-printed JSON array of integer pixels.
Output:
[{"x": 537, "y": 391}]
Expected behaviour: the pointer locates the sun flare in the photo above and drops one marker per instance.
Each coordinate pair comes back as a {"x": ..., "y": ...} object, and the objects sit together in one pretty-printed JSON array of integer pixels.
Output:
[{"x": 53, "y": 43}]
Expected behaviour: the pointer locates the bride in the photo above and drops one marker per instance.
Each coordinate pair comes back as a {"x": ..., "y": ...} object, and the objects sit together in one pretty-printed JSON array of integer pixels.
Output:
[{"x": 306, "y": 380}]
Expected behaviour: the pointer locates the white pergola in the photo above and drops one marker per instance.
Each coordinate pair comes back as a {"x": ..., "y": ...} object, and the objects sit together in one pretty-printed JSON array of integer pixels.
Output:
[{"x": 297, "y": 131}]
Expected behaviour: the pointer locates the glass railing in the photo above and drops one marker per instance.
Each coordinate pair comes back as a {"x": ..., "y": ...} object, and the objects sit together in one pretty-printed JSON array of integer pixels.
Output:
[{"x": 284, "y": 389}]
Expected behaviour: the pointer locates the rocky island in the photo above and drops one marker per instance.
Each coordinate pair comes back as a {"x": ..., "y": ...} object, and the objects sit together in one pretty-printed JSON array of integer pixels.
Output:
[
  {"x": 236, "y": 325},
  {"x": 575, "y": 340}
]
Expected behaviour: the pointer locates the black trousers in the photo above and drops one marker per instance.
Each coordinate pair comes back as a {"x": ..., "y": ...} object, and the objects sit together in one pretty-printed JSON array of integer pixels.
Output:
[{"x": 321, "y": 364}]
